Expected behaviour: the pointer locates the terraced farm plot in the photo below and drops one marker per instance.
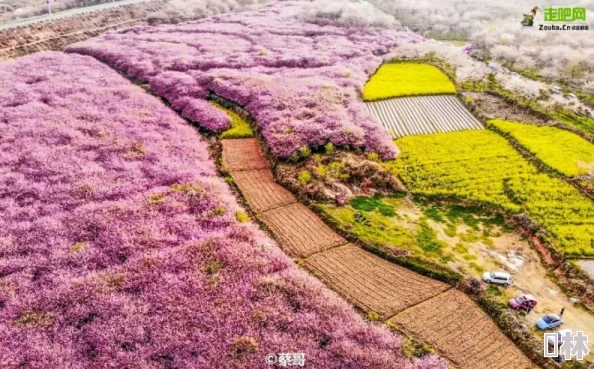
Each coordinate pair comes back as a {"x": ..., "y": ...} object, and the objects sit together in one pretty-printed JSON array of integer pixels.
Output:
[
  {"x": 407, "y": 79},
  {"x": 372, "y": 283},
  {"x": 299, "y": 231},
  {"x": 482, "y": 167},
  {"x": 452, "y": 323},
  {"x": 260, "y": 190},
  {"x": 561, "y": 150},
  {"x": 422, "y": 115},
  {"x": 243, "y": 154}
]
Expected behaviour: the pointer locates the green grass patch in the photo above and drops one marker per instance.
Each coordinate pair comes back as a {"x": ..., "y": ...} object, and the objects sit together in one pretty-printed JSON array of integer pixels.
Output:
[
  {"x": 372, "y": 227},
  {"x": 427, "y": 239},
  {"x": 372, "y": 203},
  {"x": 494, "y": 290},
  {"x": 561, "y": 150},
  {"x": 482, "y": 167},
  {"x": 240, "y": 128},
  {"x": 407, "y": 79}
]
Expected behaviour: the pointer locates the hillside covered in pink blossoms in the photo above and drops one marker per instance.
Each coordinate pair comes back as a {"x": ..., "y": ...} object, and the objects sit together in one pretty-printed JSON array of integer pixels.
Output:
[
  {"x": 300, "y": 79},
  {"x": 121, "y": 248}
]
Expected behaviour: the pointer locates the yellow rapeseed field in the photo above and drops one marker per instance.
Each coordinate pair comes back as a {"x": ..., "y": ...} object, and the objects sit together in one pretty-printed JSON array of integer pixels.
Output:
[{"x": 407, "y": 79}]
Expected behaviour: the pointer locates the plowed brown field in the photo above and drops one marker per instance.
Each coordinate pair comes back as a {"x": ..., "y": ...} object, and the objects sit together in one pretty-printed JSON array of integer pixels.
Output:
[
  {"x": 260, "y": 190},
  {"x": 452, "y": 323},
  {"x": 299, "y": 231},
  {"x": 372, "y": 283},
  {"x": 242, "y": 154}
]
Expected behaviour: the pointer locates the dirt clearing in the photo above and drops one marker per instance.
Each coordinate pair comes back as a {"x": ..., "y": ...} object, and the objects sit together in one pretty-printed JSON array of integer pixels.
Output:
[
  {"x": 372, "y": 283},
  {"x": 299, "y": 231},
  {"x": 588, "y": 266},
  {"x": 453, "y": 324},
  {"x": 496, "y": 107}
]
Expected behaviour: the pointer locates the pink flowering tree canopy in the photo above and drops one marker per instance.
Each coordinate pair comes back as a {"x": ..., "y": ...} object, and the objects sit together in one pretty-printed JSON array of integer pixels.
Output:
[
  {"x": 300, "y": 78},
  {"x": 121, "y": 248}
]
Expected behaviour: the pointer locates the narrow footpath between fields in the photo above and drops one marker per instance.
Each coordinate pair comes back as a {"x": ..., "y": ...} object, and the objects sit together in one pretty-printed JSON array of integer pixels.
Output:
[{"x": 427, "y": 309}]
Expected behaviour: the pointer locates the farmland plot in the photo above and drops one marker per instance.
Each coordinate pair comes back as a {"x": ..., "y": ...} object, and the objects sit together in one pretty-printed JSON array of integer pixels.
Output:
[
  {"x": 299, "y": 231},
  {"x": 370, "y": 282},
  {"x": 481, "y": 166},
  {"x": 242, "y": 154},
  {"x": 452, "y": 323},
  {"x": 407, "y": 79},
  {"x": 422, "y": 115},
  {"x": 260, "y": 190},
  {"x": 561, "y": 150}
]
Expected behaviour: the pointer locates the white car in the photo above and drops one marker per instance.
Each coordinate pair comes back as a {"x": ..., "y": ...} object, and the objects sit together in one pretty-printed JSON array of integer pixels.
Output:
[
  {"x": 556, "y": 90},
  {"x": 572, "y": 96},
  {"x": 502, "y": 278}
]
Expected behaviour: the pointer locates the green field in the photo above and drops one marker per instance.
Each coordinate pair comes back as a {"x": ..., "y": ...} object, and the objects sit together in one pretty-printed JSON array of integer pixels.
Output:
[
  {"x": 393, "y": 222},
  {"x": 482, "y": 167},
  {"x": 239, "y": 127},
  {"x": 563, "y": 151},
  {"x": 407, "y": 79}
]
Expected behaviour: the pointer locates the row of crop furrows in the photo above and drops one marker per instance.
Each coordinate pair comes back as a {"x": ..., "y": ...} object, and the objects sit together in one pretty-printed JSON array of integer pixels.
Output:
[{"x": 422, "y": 115}]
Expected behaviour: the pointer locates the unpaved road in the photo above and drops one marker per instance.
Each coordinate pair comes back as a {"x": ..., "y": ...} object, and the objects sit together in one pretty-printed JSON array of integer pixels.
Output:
[
  {"x": 67, "y": 13},
  {"x": 507, "y": 251}
]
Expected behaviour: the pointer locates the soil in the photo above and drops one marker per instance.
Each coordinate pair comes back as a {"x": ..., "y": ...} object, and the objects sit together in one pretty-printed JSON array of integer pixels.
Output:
[
  {"x": 260, "y": 190},
  {"x": 466, "y": 335},
  {"x": 370, "y": 282},
  {"x": 299, "y": 231},
  {"x": 243, "y": 154},
  {"x": 588, "y": 266},
  {"x": 496, "y": 107}
]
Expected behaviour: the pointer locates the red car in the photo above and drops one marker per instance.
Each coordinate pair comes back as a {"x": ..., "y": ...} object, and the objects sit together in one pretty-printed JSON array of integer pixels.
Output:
[{"x": 523, "y": 302}]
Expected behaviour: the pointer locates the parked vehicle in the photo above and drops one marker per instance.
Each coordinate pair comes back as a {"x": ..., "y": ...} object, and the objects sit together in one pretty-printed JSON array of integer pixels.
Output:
[
  {"x": 556, "y": 90},
  {"x": 523, "y": 302},
  {"x": 502, "y": 278},
  {"x": 572, "y": 96},
  {"x": 549, "y": 321}
]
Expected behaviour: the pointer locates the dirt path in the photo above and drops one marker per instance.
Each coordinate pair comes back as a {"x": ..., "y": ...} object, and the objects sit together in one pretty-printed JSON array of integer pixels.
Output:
[{"x": 367, "y": 281}]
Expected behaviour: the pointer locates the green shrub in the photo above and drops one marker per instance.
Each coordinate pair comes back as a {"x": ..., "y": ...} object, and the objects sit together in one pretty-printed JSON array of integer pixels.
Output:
[
  {"x": 373, "y": 156},
  {"x": 305, "y": 152},
  {"x": 242, "y": 217},
  {"x": 373, "y": 316},
  {"x": 304, "y": 177}
]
